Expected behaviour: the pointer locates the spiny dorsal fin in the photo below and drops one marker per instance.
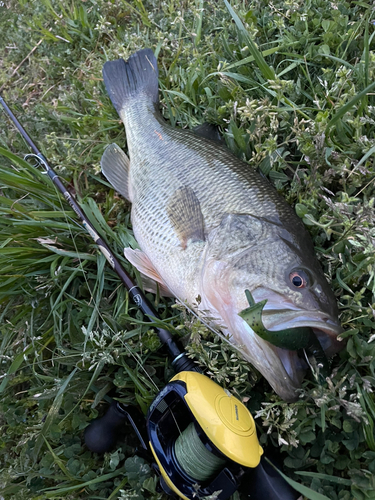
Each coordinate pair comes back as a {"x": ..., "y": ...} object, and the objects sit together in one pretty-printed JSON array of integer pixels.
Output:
[
  {"x": 184, "y": 212},
  {"x": 115, "y": 167},
  {"x": 150, "y": 276},
  {"x": 209, "y": 131}
]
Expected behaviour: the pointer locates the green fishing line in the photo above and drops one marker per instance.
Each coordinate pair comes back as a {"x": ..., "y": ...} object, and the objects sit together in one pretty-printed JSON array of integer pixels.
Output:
[{"x": 193, "y": 457}]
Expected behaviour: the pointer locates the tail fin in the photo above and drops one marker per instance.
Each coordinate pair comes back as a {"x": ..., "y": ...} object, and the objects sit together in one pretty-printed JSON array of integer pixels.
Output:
[{"x": 127, "y": 79}]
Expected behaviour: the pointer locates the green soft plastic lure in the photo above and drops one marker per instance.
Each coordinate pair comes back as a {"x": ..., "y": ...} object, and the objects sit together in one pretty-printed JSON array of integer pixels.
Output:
[{"x": 292, "y": 339}]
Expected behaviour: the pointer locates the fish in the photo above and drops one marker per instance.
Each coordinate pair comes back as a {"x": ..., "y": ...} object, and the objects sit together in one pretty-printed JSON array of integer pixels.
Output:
[{"x": 210, "y": 227}]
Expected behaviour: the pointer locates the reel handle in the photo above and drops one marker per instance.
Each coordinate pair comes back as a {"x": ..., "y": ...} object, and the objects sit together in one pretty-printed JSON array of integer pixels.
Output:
[{"x": 101, "y": 435}]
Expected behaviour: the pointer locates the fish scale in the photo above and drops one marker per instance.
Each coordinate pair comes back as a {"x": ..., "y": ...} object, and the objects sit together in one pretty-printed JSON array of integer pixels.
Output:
[
  {"x": 210, "y": 226},
  {"x": 212, "y": 173}
]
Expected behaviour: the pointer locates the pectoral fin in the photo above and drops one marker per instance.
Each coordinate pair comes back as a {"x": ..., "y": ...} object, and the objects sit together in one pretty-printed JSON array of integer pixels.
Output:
[
  {"x": 150, "y": 277},
  {"x": 184, "y": 212},
  {"x": 115, "y": 167}
]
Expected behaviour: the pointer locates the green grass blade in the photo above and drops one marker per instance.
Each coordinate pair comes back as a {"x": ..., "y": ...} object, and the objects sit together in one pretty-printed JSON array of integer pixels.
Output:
[
  {"x": 52, "y": 414},
  {"x": 247, "y": 60},
  {"x": 114, "y": 493},
  {"x": 369, "y": 153},
  {"x": 59, "y": 462},
  {"x": 348, "y": 106},
  {"x": 67, "y": 253},
  {"x": 265, "y": 69},
  {"x": 198, "y": 27},
  {"x": 16, "y": 159},
  {"x": 339, "y": 60},
  {"x": 366, "y": 52},
  {"x": 17, "y": 362},
  {"x": 181, "y": 96},
  {"x": 100, "y": 479},
  {"x": 326, "y": 477}
]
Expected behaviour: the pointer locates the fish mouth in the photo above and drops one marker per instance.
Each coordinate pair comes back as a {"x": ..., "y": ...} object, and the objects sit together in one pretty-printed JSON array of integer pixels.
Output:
[
  {"x": 279, "y": 315},
  {"x": 285, "y": 369}
]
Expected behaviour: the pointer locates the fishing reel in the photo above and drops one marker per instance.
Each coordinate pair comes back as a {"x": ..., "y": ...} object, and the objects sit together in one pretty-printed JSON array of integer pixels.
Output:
[{"x": 202, "y": 439}]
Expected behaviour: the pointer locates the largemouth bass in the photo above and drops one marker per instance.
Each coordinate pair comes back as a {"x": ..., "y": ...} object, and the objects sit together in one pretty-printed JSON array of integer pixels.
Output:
[{"x": 209, "y": 227}]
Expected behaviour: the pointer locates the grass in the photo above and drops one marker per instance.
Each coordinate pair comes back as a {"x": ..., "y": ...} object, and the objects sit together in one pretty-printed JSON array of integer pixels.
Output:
[{"x": 291, "y": 85}]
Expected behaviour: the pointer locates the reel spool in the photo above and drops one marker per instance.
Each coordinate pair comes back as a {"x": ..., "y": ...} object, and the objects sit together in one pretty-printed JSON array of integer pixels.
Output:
[{"x": 203, "y": 439}]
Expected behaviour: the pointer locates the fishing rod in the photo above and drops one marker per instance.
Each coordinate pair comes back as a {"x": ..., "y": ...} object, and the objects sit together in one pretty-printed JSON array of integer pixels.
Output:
[{"x": 202, "y": 438}]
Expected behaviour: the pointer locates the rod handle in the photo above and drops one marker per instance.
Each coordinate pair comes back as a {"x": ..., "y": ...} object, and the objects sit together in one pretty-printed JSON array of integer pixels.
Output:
[{"x": 102, "y": 434}]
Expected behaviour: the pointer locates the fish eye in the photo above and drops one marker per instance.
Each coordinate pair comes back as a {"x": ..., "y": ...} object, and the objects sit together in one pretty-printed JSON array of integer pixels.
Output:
[{"x": 299, "y": 279}]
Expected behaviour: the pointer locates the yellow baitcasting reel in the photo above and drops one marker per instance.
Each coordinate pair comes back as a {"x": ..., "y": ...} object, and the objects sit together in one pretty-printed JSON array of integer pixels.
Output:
[{"x": 202, "y": 437}]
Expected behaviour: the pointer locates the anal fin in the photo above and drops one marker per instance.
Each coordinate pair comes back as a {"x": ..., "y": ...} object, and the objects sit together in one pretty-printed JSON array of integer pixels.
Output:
[
  {"x": 115, "y": 167},
  {"x": 184, "y": 212},
  {"x": 150, "y": 277}
]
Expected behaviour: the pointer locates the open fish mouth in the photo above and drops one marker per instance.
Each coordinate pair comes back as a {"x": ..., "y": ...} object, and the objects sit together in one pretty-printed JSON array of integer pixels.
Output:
[
  {"x": 280, "y": 315},
  {"x": 283, "y": 368},
  {"x": 325, "y": 329},
  {"x": 267, "y": 345}
]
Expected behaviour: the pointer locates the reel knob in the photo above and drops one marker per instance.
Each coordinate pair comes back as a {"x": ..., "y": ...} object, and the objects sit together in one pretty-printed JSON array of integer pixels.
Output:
[{"x": 101, "y": 435}]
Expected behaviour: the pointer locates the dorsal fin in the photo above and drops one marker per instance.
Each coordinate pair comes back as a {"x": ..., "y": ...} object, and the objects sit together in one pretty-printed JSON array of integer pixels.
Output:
[
  {"x": 209, "y": 131},
  {"x": 184, "y": 212},
  {"x": 115, "y": 167}
]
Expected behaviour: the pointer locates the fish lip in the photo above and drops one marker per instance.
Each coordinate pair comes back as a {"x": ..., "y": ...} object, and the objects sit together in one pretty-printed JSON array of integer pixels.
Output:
[
  {"x": 325, "y": 329},
  {"x": 279, "y": 314}
]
